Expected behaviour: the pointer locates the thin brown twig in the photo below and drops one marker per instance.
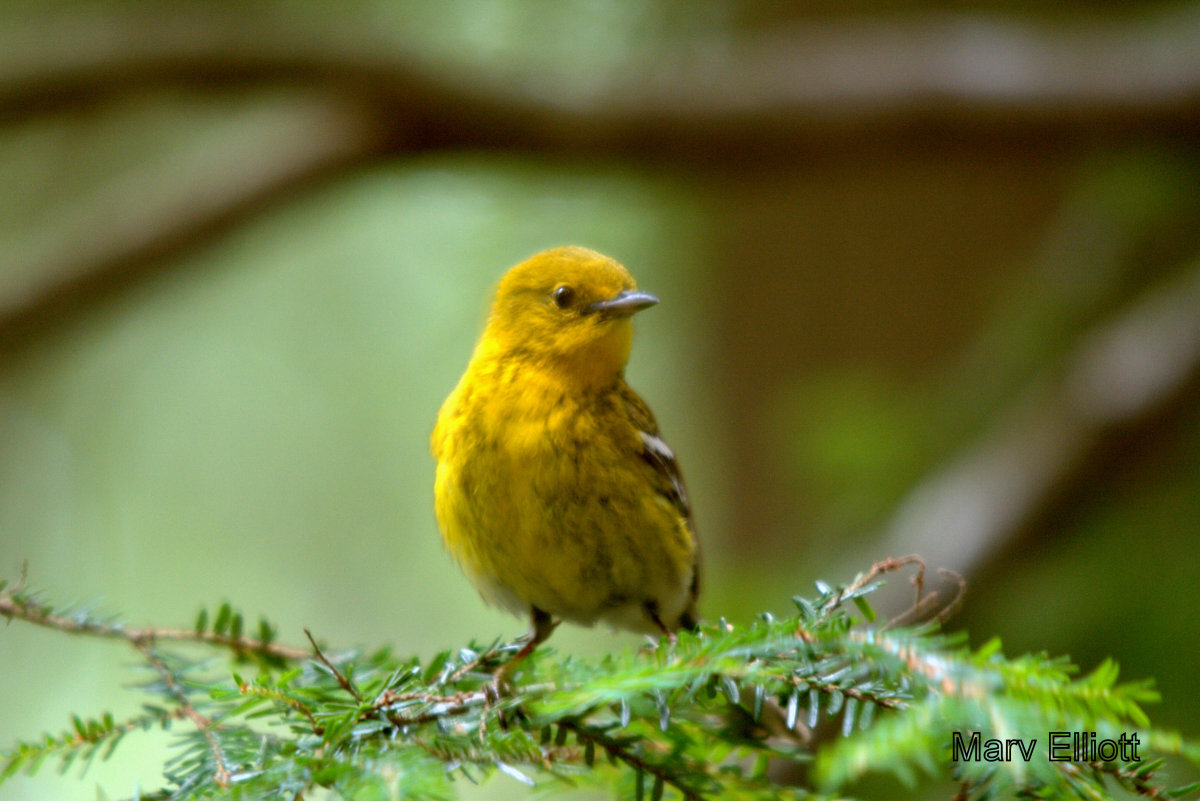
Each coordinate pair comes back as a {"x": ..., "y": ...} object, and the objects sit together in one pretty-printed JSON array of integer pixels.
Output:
[
  {"x": 400, "y": 722},
  {"x": 615, "y": 749},
  {"x": 388, "y": 697},
  {"x": 919, "y": 610},
  {"x": 951, "y": 609},
  {"x": 915, "y": 612},
  {"x": 345, "y": 683},
  {"x": 453, "y": 705},
  {"x": 888, "y": 565},
  {"x": 266, "y": 692},
  {"x": 203, "y": 724},
  {"x": 15, "y": 608},
  {"x": 849, "y": 692},
  {"x": 478, "y": 660},
  {"x": 458, "y": 704},
  {"x": 78, "y": 737}
]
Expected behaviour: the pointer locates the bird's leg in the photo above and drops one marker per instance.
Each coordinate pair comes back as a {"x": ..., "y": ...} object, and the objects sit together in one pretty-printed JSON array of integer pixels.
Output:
[
  {"x": 652, "y": 610},
  {"x": 542, "y": 626}
]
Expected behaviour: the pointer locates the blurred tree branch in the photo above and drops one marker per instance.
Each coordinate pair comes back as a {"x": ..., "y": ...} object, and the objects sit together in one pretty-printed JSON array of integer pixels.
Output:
[
  {"x": 362, "y": 87},
  {"x": 210, "y": 155},
  {"x": 795, "y": 78},
  {"x": 1120, "y": 372}
]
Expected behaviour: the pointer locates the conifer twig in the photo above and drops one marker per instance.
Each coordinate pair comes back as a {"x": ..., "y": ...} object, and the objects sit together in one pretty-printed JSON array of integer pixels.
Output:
[
  {"x": 889, "y": 565},
  {"x": 447, "y": 705},
  {"x": 850, "y": 692},
  {"x": 337, "y": 674},
  {"x": 951, "y": 609},
  {"x": 615, "y": 749},
  {"x": 203, "y": 724},
  {"x": 15, "y": 607},
  {"x": 1131, "y": 779}
]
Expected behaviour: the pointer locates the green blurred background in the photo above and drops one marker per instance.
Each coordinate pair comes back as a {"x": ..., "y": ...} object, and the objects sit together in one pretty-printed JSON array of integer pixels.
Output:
[{"x": 930, "y": 278}]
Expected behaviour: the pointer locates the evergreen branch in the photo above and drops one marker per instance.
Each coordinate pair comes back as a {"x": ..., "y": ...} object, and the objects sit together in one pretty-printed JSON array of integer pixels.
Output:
[
  {"x": 203, "y": 725},
  {"x": 620, "y": 750},
  {"x": 862, "y": 696},
  {"x": 281, "y": 697},
  {"x": 84, "y": 738},
  {"x": 1134, "y": 779},
  {"x": 16, "y": 606},
  {"x": 441, "y": 707},
  {"x": 341, "y": 679},
  {"x": 863, "y": 582},
  {"x": 686, "y": 719}
]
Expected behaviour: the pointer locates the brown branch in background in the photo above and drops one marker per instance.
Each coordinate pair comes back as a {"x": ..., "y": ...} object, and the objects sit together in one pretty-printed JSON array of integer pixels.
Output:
[
  {"x": 263, "y": 140},
  {"x": 15, "y": 608},
  {"x": 1121, "y": 371},
  {"x": 342, "y": 88},
  {"x": 854, "y": 69}
]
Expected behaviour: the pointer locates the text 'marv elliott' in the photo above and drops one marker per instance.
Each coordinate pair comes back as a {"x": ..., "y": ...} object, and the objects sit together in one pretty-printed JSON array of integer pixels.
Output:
[{"x": 1064, "y": 746}]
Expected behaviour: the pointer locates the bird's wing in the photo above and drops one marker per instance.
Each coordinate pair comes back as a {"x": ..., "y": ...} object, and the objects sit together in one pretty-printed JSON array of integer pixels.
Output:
[
  {"x": 666, "y": 475},
  {"x": 668, "y": 480}
]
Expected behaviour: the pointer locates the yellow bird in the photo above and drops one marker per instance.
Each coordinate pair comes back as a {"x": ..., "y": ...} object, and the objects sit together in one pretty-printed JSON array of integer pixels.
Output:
[{"x": 555, "y": 492}]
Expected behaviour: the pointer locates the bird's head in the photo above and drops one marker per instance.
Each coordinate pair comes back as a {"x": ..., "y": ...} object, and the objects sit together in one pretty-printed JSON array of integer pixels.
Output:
[{"x": 569, "y": 308}]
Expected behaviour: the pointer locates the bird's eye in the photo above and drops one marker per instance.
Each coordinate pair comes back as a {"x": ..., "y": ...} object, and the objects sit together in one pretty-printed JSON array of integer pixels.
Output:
[{"x": 563, "y": 296}]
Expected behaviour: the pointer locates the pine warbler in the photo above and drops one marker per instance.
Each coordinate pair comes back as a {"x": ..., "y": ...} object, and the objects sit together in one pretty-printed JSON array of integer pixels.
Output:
[{"x": 554, "y": 490}]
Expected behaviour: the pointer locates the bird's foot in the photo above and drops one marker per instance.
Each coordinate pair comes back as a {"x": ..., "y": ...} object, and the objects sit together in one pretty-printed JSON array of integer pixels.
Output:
[{"x": 501, "y": 689}]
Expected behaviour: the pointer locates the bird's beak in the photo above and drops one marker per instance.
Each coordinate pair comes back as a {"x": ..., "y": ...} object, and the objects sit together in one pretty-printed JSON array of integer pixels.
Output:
[{"x": 622, "y": 304}]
